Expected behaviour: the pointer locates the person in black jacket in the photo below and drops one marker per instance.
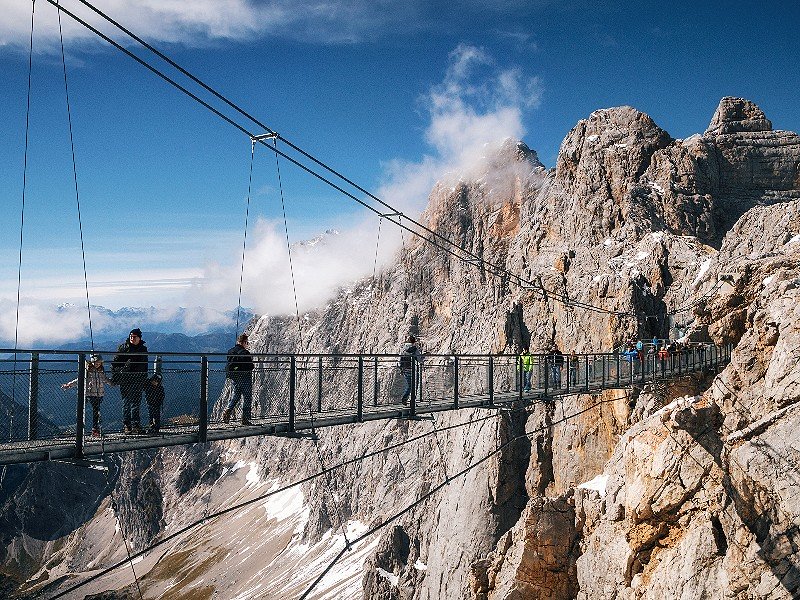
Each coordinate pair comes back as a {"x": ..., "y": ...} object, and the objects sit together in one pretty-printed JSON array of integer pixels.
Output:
[
  {"x": 556, "y": 362},
  {"x": 239, "y": 370},
  {"x": 154, "y": 393},
  {"x": 129, "y": 370}
]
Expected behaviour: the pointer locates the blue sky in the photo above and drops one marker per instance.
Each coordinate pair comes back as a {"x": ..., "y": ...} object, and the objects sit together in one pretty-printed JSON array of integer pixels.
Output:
[{"x": 393, "y": 94}]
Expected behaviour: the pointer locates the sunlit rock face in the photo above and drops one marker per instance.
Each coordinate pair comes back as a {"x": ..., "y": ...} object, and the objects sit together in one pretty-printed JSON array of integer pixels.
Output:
[{"x": 685, "y": 490}]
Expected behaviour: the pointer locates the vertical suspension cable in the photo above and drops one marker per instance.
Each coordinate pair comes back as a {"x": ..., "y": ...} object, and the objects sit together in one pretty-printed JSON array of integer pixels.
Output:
[
  {"x": 10, "y": 412},
  {"x": 244, "y": 241},
  {"x": 302, "y": 346},
  {"x": 374, "y": 275},
  {"x": 86, "y": 283},
  {"x": 75, "y": 178},
  {"x": 288, "y": 244}
]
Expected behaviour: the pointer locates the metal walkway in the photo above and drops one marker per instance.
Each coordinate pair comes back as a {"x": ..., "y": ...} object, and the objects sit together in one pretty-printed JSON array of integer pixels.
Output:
[{"x": 293, "y": 395}]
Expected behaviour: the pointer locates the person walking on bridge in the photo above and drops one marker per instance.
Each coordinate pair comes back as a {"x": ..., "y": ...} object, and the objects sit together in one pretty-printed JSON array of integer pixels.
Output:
[
  {"x": 239, "y": 369},
  {"x": 556, "y": 362},
  {"x": 410, "y": 355},
  {"x": 129, "y": 370}
]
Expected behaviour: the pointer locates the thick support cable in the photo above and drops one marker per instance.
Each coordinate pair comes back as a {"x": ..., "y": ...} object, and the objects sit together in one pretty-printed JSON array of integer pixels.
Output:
[
  {"x": 444, "y": 243},
  {"x": 419, "y": 229},
  {"x": 261, "y": 497}
]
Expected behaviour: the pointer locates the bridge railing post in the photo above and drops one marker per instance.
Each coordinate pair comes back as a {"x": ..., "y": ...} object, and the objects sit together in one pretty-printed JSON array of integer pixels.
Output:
[
  {"x": 586, "y": 370},
  {"x": 360, "y": 390},
  {"x": 292, "y": 388},
  {"x": 412, "y": 400},
  {"x": 618, "y": 371},
  {"x": 546, "y": 373},
  {"x": 202, "y": 431},
  {"x": 455, "y": 382},
  {"x": 644, "y": 365},
  {"x": 603, "y": 377},
  {"x": 33, "y": 398},
  {"x": 375, "y": 387},
  {"x": 81, "y": 405},
  {"x": 490, "y": 373},
  {"x": 319, "y": 384},
  {"x": 566, "y": 375},
  {"x": 520, "y": 376}
]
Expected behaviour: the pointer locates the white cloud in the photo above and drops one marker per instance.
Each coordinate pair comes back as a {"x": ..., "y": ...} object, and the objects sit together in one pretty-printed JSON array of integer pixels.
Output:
[
  {"x": 475, "y": 108},
  {"x": 43, "y": 323},
  {"x": 202, "y": 21},
  {"x": 320, "y": 268}
]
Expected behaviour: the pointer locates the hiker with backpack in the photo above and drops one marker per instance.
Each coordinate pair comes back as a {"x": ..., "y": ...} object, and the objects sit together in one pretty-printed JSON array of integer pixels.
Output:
[
  {"x": 239, "y": 369},
  {"x": 410, "y": 357}
]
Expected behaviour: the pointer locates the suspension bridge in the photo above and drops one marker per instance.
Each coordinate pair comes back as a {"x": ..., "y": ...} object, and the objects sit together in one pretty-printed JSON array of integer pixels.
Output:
[{"x": 296, "y": 394}]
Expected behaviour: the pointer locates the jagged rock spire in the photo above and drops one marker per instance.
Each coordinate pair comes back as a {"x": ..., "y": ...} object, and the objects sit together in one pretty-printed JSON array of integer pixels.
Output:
[{"x": 735, "y": 115}]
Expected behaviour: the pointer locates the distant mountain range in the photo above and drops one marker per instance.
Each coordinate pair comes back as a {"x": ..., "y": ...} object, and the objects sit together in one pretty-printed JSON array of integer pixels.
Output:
[{"x": 181, "y": 329}]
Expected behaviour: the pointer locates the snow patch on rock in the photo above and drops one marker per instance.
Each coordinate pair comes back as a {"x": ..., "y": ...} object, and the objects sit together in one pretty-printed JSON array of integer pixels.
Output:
[{"x": 597, "y": 484}]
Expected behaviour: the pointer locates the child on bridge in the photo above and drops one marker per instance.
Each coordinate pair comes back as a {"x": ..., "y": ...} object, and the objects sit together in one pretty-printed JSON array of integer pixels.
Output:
[{"x": 94, "y": 387}]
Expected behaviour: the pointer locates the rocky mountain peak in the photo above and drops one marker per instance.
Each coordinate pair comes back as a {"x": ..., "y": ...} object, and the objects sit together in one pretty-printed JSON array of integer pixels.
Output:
[{"x": 736, "y": 115}]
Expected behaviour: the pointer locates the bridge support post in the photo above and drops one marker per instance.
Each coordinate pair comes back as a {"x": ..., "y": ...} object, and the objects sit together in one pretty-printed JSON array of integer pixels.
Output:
[
  {"x": 546, "y": 374},
  {"x": 319, "y": 384},
  {"x": 586, "y": 370},
  {"x": 603, "y": 378},
  {"x": 202, "y": 432},
  {"x": 491, "y": 380},
  {"x": 292, "y": 386},
  {"x": 455, "y": 382},
  {"x": 412, "y": 400},
  {"x": 33, "y": 398},
  {"x": 375, "y": 387},
  {"x": 81, "y": 406},
  {"x": 360, "y": 393}
]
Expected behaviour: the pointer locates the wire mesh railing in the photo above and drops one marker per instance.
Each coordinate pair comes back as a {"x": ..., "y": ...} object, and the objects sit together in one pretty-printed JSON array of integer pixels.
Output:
[{"x": 295, "y": 392}]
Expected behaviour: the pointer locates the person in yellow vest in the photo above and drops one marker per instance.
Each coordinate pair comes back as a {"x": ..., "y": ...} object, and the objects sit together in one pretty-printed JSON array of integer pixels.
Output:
[{"x": 526, "y": 360}]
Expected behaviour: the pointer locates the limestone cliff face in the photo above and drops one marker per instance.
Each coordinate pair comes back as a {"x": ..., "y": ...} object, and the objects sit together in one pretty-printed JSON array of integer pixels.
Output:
[
  {"x": 698, "y": 498},
  {"x": 698, "y": 494}
]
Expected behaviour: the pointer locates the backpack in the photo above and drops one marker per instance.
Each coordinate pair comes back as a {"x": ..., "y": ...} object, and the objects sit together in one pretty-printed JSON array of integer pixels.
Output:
[
  {"x": 231, "y": 366},
  {"x": 407, "y": 358}
]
